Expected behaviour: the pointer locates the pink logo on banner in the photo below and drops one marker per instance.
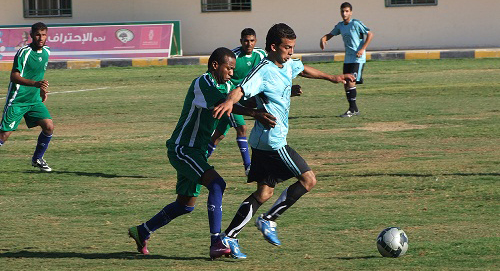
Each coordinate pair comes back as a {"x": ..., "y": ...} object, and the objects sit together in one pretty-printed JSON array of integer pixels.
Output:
[{"x": 99, "y": 41}]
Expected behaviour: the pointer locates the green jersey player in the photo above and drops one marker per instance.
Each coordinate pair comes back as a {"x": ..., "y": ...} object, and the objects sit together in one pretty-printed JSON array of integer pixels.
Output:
[
  {"x": 247, "y": 57},
  {"x": 187, "y": 152},
  {"x": 356, "y": 37},
  {"x": 27, "y": 92}
]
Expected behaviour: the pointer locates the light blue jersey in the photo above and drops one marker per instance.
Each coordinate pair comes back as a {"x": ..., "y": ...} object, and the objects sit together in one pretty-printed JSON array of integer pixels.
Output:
[
  {"x": 353, "y": 35},
  {"x": 272, "y": 87}
]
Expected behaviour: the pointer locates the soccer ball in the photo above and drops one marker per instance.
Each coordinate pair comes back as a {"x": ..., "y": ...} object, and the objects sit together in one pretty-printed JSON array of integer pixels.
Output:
[{"x": 392, "y": 242}]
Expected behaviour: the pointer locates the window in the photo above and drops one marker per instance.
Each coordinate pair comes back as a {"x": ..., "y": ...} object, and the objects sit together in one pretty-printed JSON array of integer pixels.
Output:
[
  {"x": 47, "y": 8},
  {"x": 399, "y": 3},
  {"x": 226, "y": 5}
]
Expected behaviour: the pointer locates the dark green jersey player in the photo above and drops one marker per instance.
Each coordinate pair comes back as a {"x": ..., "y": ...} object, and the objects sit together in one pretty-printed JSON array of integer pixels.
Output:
[
  {"x": 187, "y": 152},
  {"x": 247, "y": 57},
  {"x": 27, "y": 92}
]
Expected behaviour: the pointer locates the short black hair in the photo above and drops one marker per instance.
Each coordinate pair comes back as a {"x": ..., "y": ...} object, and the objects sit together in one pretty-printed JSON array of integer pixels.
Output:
[
  {"x": 248, "y": 32},
  {"x": 278, "y": 32},
  {"x": 346, "y": 5},
  {"x": 220, "y": 55},
  {"x": 38, "y": 26}
]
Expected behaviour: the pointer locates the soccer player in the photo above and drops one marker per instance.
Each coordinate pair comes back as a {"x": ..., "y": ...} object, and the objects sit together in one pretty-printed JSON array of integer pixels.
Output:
[
  {"x": 247, "y": 57},
  {"x": 273, "y": 160},
  {"x": 187, "y": 149},
  {"x": 353, "y": 33},
  {"x": 27, "y": 94}
]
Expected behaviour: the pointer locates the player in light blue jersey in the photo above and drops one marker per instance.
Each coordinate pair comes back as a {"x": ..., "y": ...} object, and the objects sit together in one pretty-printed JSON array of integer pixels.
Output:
[
  {"x": 356, "y": 38},
  {"x": 273, "y": 161}
]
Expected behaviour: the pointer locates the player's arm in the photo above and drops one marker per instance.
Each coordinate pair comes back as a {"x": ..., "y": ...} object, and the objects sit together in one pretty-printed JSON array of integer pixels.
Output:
[
  {"x": 324, "y": 40},
  {"x": 310, "y": 72},
  {"x": 369, "y": 37},
  {"x": 16, "y": 78},
  {"x": 226, "y": 107}
]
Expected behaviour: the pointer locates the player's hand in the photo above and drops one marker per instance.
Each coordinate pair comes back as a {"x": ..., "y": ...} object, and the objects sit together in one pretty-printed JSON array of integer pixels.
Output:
[
  {"x": 266, "y": 119},
  {"x": 44, "y": 84},
  {"x": 360, "y": 53},
  {"x": 322, "y": 43},
  {"x": 296, "y": 91},
  {"x": 223, "y": 108},
  {"x": 44, "y": 94}
]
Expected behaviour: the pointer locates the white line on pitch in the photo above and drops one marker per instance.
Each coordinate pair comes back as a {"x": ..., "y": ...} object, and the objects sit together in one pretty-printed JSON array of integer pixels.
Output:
[{"x": 79, "y": 90}]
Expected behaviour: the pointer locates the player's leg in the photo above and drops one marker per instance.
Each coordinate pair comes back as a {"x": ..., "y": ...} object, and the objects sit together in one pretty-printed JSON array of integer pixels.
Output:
[
  {"x": 292, "y": 164},
  {"x": 11, "y": 117},
  {"x": 351, "y": 89},
  {"x": 38, "y": 115},
  {"x": 4, "y": 135},
  {"x": 241, "y": 140},
  {"x": 219, "y": 134}
]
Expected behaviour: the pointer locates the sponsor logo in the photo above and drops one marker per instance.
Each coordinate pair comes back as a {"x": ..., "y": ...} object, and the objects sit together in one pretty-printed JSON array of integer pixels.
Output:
[{"x": 124, "y": 35}]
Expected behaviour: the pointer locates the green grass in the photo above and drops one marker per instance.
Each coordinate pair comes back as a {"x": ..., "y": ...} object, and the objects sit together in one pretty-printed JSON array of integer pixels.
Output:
[{"x": 423, "y": 156}]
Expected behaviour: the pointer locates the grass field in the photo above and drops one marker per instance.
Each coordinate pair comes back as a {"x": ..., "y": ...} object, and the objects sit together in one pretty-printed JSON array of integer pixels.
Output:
[{"x": 424, "y": 155}]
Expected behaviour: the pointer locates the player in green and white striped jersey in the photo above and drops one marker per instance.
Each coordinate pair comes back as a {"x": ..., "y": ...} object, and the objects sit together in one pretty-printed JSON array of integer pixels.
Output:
[
  {"x": 27, "y": 92},
  {"x": 247, "y": 57},
  {"x": 187, "y": 149}
]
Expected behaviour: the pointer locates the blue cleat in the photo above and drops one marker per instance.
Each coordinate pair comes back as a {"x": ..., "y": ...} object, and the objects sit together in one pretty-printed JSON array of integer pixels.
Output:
[
  {"x": 233, "y": 244},
  {"x": 268, "y": 229}
]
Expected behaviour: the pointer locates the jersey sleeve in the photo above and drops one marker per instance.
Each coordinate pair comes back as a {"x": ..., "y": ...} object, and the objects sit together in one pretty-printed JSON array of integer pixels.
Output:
[
  {"x": 19, "y": 60},
  {"x": 254, "y": 83},
  {"x": 297, "y": 67},
  {"x": 335, "y": 31},
  {"x": 361, "y": 28},
  {"x": 206, "y": 95}
]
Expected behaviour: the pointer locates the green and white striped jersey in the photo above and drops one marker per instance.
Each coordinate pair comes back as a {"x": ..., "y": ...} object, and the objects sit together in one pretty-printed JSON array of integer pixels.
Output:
[
  {"x": 245, "y": 63},
  {"x": 32, "y": 65},
  {"x": 196, "y": 123}
]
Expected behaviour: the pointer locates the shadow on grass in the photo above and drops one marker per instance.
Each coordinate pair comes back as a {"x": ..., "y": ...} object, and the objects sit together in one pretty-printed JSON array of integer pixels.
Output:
[
  {"x": 89, "y": 174},
  {"x": 114, "y": 255},
  {"x": 355, "y": 258},
  {"x": 411, "y": 175}
]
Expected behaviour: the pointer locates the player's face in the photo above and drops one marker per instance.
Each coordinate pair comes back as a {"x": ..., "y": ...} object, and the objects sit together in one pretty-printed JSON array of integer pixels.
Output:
[
  {"x": 346, "y": 14},
  {"x": 248, "y": 43},
  {"x": 39, "y": 38},
  {"x": 285, "y": 50},
  {"x": 223, "y": 72}
]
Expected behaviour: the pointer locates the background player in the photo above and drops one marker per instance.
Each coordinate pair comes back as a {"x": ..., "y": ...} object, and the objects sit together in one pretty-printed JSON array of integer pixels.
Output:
[
  {"x": 187, "y": 149},
  {"x": 27, "y": 92},
  {"x": 273, "y": 161},
  {"x": 353, "y": 33},
  {"x": 247, "y": 57}
]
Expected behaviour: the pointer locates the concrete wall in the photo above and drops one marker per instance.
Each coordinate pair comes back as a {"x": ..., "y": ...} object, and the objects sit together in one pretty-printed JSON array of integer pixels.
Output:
[{"x": 450, "y": 24}]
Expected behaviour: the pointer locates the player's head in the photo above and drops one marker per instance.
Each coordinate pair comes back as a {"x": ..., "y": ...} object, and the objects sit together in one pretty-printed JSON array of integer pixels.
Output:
[
  {"x": 38, "y": 34},
  {"x": 248, "y": 40},
  {"x": 221, "y": 64},
  {"x": 280, "y": 42},
  {"x": 346, "y": 11}
]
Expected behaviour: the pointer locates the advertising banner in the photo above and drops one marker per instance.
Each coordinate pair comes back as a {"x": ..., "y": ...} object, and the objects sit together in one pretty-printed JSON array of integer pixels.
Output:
[{"x": 95, "y": 41}]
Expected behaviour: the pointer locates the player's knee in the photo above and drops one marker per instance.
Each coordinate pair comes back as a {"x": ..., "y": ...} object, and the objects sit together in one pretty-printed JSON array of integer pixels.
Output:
[
  {"x": 217, "y": 184},
  {"x": 308, "y": 180},
  {"x": 241, "y": 130},
  {"x": 263, "y": 195}
]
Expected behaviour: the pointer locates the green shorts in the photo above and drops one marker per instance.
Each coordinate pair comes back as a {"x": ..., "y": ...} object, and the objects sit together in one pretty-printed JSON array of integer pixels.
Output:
[
  {"x": 190, "y": 164},
  {"x": 226, "y": 123},
  {"x": 13, "y": 114}
]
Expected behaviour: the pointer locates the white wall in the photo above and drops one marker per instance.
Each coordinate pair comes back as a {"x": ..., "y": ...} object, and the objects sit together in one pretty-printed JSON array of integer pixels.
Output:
[{"x": 450, "y": 24}]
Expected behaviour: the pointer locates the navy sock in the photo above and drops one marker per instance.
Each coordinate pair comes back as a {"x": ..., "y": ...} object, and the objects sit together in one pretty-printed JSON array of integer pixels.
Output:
[
  {"x": 42, "y": 145},
  {"x": 214, "y": 204},
  {"x": 167, "y": 214},
  {"x": 351, "y": 98},
  {"x": 245, "y": 154},
  {"x": 1, "y": 143},
  {"x": 211, "y": 148}
]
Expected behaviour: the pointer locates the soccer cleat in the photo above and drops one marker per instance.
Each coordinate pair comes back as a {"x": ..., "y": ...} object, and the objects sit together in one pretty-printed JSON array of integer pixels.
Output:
[
  {"x": 133, "y": 232},
  {"x": 268, "y": 229},
  {"x": 41, "y": 164},
  {"x": 234, "y": 245},
  {"x": 218, "y": 249},
  {"x": 349, "y": 114}
]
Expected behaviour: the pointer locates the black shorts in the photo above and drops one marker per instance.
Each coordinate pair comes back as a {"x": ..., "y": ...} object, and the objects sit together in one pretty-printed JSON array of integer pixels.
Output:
[
  {"x": 355, "y": 69},
  {"x": 272, "y": 167}
]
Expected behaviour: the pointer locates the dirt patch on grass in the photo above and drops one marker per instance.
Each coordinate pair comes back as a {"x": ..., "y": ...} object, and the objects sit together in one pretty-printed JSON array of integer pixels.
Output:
[{"x": 391, "y": 126}]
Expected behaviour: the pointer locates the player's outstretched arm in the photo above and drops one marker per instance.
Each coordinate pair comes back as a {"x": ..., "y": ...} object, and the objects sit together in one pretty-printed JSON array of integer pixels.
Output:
[
  {"x": 324, "y": 40},
  {"x": 226, "y": 107},
  {"x": 310, "y": 72}
]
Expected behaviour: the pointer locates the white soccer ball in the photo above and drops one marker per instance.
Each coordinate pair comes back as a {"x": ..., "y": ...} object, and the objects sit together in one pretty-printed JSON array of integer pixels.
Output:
[{"x": 392, "y": 242}]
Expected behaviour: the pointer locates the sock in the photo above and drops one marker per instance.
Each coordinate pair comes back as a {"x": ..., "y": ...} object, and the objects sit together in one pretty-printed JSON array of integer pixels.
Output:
[
  {"x": 351, "y": 98},
  {"x": 214, "y": 204},
  {"x": 210, "y": 149},
  {"x": 1, "y": 143},
  {"x": 167, "y": 214},
  {"x": 245, "y": 154},
  {"x": 289, "y": 196},
  {"x": 247, "y": 210},
  {"x": 42, "y": 145}
]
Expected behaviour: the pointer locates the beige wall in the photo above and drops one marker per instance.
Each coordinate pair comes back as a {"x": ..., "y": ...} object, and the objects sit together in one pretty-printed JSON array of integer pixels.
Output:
[{"x": 450, "y": 24}]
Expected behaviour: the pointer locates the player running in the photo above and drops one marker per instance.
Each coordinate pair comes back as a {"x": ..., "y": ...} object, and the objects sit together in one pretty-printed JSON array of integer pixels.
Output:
[
  {"x": 273, "y": 160},
  {"x": 27, "y": 94},
  {"x": 353, "y": 33},
  {"x": 187, "y": 149}
]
